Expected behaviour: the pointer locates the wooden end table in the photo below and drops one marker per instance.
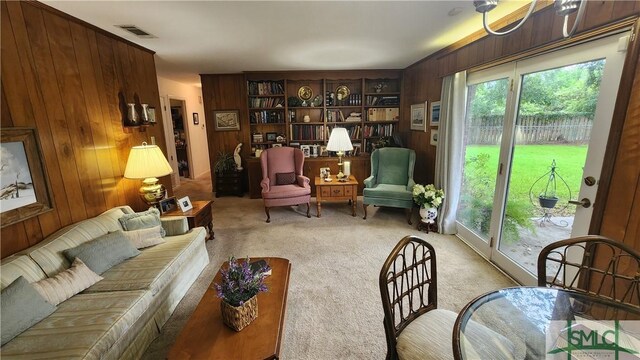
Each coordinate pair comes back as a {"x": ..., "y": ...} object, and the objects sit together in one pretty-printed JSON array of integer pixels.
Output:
[
  {"x": 336, "y": 191},
  {"x": 200, "y": 215},
  {"x": 206, "y": 337}
]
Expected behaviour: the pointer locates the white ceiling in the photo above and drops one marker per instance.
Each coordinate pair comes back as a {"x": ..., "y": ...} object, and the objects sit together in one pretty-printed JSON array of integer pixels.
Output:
[{"x": 207, "y": 37}]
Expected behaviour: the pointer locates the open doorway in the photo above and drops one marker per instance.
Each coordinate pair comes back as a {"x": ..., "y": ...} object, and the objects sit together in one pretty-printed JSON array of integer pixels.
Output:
[{"x": 181, "y": 137}]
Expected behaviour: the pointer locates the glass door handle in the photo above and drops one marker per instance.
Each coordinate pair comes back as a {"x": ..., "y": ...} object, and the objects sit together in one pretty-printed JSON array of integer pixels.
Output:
[{"x": 585, "y": 203}]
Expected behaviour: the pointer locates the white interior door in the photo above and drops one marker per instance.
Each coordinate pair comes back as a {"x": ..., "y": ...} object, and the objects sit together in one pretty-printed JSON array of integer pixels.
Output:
[{"x": 168, "y": 135}]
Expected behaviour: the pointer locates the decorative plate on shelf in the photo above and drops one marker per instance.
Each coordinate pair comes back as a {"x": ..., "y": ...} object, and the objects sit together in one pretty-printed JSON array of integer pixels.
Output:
[
  {"x": 342, "y": 92},
  {"x": 317, "y": 101},
  {"x": 305, "y": 93}
]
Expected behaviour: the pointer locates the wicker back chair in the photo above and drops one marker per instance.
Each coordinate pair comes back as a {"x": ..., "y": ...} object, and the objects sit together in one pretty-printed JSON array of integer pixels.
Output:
[
  {"x": 408, "y": 286},
  {"x": 607, "y": 268}
]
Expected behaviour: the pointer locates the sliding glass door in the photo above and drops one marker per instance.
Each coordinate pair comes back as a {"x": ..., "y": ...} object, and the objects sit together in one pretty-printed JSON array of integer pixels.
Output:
[{"x": 535, "y": 136}]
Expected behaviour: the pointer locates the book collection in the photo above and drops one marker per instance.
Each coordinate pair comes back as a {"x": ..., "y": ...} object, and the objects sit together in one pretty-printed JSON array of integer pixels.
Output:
[
  {"x": 378, "y": 130},
  {"x": 265, "y": 87},
  {"x": 266, "y": 117},
  {"x": 392, "y": 100},
  {"x": 268, "y": 102},
  {"x": 308, "y": 132},
  {"x": 354, "y": 131}
]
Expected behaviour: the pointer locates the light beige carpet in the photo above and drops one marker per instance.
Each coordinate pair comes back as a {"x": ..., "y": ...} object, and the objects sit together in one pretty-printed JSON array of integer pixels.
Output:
[{"x": 334, "y": 309}]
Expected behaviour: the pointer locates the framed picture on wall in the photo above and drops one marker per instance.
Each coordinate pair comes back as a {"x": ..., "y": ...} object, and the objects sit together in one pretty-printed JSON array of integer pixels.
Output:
[
  {"x": 226, "y": 120},
  {"x": 418, "y": 119},
  {"x": 196, "y": 119},
  {"x": 433, "y": 138},
  {"x": 434, "y": 114},
  {"x": 24, "y": 190}
]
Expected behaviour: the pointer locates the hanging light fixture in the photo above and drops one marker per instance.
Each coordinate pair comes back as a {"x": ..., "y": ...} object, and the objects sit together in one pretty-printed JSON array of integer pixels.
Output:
[{"x": 563, "y": 8}]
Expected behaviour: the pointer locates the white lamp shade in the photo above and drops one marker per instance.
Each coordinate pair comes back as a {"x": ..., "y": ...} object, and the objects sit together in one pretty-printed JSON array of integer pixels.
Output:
[
  {"x": 339, "y": 140},
  {"x": 146, "y": 161}
]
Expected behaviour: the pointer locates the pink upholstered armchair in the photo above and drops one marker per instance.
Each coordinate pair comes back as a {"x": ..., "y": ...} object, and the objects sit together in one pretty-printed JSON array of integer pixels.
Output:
[{"x": 282, "y": 181}]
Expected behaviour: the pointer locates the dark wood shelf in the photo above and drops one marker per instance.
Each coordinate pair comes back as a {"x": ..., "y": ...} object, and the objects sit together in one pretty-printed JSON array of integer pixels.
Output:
[
  {"x": 350, "y": 123},
  {"x": 343, "y": 107},
  {"x": 381, "y": 122},
  {"x": 383, "y": 94},
  {"x": 382, "y": 106},
  {"x": 308, "y": 123},
  {"x": 277, "y": 124},
  {"x": 266, "y": 108},
  {"x": 266, "y": 96},
  {"x": 306, "y": 108}
]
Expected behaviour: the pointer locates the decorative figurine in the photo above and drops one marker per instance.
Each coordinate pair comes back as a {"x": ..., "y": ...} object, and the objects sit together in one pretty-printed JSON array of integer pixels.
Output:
[{"x": 237, "y": 158}]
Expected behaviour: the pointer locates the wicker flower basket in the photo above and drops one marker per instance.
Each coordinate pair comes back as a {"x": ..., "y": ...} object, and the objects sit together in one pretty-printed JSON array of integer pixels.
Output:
[{"x": 238, "y": 317}]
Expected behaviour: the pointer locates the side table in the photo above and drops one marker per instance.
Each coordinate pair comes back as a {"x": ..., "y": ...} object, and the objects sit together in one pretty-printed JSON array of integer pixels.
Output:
[
  {"x": 200, "y": 215},
  {"x": 336, "y": 191}
]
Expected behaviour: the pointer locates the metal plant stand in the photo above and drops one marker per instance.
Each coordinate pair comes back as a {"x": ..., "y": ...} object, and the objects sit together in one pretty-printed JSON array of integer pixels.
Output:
[{"x": 547, "y": 198}]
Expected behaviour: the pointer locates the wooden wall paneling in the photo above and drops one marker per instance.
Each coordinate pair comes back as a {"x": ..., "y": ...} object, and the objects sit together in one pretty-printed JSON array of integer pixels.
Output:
[
  {"x": 107, "y": 152},
  {"x": 626, "y": 171},
  {"x": 70, "y": 86},
  {"x": 118, "y": 141},
  {"x": 541, "y": 21},
  {"x": 623, "y": 9},
  {"x": 63, "y": 167},
  {"x": 597, "y": 13},
  {"x": 5, "y": 115},
  {"x": 225, "y": 92},
  {"x": 50, "y": 221},
  {"x": 94, "y": 114},
  {"x": 14, "y": 238},
  {"x": 125, "y": 95}
]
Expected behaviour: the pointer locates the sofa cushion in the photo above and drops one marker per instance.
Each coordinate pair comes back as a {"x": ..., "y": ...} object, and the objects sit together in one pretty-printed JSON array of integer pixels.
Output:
[
  {"x": 48, "y": 253},
  {"x": 85, "y": 326},
  {"x": 19, "y": 265},
  {"x": 103, "y": 253},
  {"x": 67, "y": 283},
  {"x": 398, "y": 192},
  {"x": 154, "y": 267},
  {"x": 144, "y": 238},
  {"x": 21, "y": 306},
  {"x": 141, "y": 220}
]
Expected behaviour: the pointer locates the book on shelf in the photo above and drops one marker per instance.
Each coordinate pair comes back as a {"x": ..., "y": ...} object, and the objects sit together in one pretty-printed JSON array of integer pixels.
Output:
[
  {"x": 265, "y": 87},
  {"x": 354, "y": 116},
  {"x": 383, "y": 100}
]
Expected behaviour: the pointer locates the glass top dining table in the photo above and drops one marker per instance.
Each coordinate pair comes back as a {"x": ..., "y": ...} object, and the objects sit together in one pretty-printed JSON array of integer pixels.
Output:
[{"x": 546, "y": 323}]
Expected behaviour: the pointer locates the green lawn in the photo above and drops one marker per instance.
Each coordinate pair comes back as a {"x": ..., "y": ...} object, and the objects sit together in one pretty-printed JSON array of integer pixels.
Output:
[{"x": 533, "y": 161}]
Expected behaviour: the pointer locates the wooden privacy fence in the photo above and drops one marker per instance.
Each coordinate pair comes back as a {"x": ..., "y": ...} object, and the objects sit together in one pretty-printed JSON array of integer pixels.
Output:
[{"x": 531, "y": 130}]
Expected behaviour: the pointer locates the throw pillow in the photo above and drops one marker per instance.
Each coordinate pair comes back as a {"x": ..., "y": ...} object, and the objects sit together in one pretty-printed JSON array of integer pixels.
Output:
[
  {"x": 285, "y": 178},
  {"x": 104, "y": 252},
  {"x": 21, "y": 307},
  {"x": 67, "y": 283},
  {"x": 142, "y": 220},
  {"x": 145, "y": 237}
]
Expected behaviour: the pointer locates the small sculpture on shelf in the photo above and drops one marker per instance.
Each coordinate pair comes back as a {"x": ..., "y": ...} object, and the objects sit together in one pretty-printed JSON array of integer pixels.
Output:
[
  {"x": 380, "y": 86},
  {"x": 237, "y": 158}
]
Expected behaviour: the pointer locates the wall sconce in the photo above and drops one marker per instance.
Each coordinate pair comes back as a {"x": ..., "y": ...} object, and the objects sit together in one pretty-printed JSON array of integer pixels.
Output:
[{"x": 563, "y": 8}]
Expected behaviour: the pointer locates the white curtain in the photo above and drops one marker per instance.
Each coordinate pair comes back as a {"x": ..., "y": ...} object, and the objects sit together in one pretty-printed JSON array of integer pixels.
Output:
[{"x": 449, "y": 155}]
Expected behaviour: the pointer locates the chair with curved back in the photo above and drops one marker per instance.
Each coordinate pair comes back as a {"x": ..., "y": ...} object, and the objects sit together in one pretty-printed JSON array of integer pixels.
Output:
[
  {"x": 282, "y": 181},
  {"x": 391, "y": 181},
  {"x": 594, "y": 265}
]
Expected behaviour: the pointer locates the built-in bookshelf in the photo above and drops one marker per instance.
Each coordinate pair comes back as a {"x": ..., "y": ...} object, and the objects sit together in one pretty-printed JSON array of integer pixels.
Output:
[{"x": 302, "y": 112}]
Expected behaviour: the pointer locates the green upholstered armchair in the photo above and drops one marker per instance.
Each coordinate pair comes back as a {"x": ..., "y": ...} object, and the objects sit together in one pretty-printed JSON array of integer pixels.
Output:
[{"x": 391, "y": 181}]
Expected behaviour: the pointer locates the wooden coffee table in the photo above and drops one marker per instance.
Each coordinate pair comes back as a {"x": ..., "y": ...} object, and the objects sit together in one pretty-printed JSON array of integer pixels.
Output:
[
  {"x": 206, "y": 337},
  {"x": 336, "y": 191}
]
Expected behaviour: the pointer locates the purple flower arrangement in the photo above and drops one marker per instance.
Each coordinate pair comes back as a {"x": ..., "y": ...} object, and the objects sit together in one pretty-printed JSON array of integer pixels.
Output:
[{"x": 240, "y": 282}]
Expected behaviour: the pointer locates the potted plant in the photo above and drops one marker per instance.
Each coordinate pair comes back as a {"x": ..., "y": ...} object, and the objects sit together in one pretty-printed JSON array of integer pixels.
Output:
[
  {"x": 429, "y": 199},
  {"x": 225, "y": 163},
  {"x": 238, "y": 290}
]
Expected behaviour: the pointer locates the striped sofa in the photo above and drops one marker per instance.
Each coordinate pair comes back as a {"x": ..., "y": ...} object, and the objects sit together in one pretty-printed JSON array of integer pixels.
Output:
[{"x": 118, "y": 317}]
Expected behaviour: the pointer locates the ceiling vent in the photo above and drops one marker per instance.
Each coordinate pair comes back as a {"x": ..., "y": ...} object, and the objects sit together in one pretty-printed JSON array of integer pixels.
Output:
[{"x": 136, "y": 31}]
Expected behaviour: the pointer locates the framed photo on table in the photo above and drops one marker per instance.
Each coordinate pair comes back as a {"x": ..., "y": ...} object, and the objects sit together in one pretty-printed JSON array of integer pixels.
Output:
[
  {"x": 434, "y": 113},
  {"x": 418, "y": 119},
  {"x": 185, "y": 204},
  {"x": 168, "y": 204},
  {"x": 24, "y": 190},
  {"x": 226, "y": 120}
]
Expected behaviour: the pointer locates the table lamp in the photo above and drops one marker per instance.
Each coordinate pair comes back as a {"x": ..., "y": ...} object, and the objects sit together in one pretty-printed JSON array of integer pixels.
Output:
[
  {"x": 148, "y": 162},
  {"x": 340, "y": 142}
]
